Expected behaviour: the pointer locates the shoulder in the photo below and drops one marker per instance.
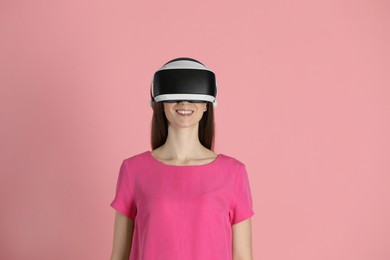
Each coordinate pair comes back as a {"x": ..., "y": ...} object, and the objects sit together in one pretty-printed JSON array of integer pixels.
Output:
[
  {"x": 136, "y": 159},
  {"x": 231, "y": 161}
]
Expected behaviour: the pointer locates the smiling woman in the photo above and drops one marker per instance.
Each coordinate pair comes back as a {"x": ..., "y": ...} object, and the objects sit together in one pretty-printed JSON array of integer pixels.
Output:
[{"x": 182, "y": 200}]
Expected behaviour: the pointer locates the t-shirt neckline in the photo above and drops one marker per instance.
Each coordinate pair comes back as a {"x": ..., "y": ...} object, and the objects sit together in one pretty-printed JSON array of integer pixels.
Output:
[{"x": 183, "y": 166}]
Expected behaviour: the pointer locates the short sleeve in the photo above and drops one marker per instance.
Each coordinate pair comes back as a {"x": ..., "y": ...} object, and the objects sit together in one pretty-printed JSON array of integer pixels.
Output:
[
  {"x": 242, "y": 205},
  {"x": 124, "y": 200}
]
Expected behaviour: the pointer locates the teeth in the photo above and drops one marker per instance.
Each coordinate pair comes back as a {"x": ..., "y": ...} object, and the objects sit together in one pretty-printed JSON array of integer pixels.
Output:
[{"x": 184, "y": 112}]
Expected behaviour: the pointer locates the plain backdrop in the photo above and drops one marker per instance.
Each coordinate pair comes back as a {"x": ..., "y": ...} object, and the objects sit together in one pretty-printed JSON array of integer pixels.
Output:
[{"x": 303, "y": 101}]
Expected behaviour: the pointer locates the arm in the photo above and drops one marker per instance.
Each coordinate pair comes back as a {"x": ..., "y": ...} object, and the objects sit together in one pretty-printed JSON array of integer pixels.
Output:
[
  {"x": 123, "y": 237},
  {"x": 242, "y": 240}
]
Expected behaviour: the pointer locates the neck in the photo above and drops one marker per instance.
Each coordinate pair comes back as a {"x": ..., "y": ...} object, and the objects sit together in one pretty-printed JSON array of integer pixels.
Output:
[{"x": 183, "y": 143}]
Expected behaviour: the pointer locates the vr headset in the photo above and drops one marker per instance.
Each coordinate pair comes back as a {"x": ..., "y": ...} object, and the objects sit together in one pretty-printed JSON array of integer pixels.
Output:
[{"x": 184, "y": 79}]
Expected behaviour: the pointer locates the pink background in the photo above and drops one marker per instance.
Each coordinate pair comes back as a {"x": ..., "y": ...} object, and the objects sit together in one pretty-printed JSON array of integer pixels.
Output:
[{"x": 303, "y": 101}]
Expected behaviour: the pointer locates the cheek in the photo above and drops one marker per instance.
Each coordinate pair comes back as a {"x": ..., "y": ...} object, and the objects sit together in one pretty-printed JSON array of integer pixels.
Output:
[
  {"x": 169, "y": 114},
  {"x": 200, "y": 114},
  {"x": 168, "y": 109},
  {"x": 168, "y": 105}
]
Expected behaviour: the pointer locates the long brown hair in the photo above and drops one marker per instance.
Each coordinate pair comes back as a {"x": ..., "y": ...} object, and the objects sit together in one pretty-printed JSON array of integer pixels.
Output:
[{"x": 160, "y": 126}]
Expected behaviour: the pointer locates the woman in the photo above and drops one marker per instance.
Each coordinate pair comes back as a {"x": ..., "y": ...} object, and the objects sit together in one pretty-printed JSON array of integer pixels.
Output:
[{"x": 182, "y": 201}]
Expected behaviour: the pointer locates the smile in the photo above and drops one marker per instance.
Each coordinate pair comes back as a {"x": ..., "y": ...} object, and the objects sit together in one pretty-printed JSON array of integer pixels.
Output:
[{"x": 184, "y": 112}]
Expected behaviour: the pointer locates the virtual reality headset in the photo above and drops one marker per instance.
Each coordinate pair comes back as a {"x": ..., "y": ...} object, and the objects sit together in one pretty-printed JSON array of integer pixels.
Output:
[{"x": 184, "y": 79}]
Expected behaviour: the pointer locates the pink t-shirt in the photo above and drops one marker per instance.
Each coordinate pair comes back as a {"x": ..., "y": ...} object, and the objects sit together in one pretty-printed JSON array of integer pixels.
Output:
[{"x": 183, "y": 212}]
